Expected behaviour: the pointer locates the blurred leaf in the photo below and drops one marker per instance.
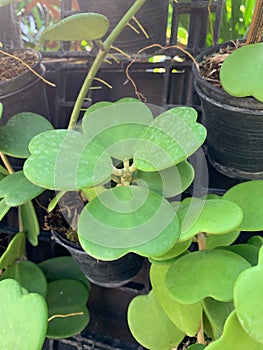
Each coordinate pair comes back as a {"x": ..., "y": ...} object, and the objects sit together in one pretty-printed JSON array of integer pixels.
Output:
[
  {"x": 15, "y": 250},
  {"x": 23, "y": 320},
  {"x": 19, "y": 130},
  {"x": 29, "y": 275},
  {"x": 81, "y": 26}
]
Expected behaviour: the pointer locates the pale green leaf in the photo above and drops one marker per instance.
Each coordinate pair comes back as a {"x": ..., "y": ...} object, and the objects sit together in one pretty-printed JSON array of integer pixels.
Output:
[
  {"x": 67, "y": 160},
  {"x": 171, "y": 138},
  {"x": 81, "y": 26},
  {"x": 150, "y": 326},
  {"x": 211, "y": 272},
  {"x": 23, "y": 320}
]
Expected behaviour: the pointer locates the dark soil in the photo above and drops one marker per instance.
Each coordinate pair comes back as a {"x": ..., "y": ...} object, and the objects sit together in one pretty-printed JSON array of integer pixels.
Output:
[
  {"x": 210, "y": 66},
  {"x": 10, "y": 67},
  {"x": 65, "y": 216}
]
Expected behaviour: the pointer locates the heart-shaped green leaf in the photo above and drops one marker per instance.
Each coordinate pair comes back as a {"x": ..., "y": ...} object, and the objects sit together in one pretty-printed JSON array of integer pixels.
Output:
[
  {"x": 208, "y": 281},
  {"x": 16, "y": 249},
  {"x": 247, "y": 251},
  {"x": 29, "y": 275},
  {"x": 186, "y": 317},
  {"x": 127, "y": 219},
  {"x": 161, "y": 333},
  {"x": 239, "y": 77},
  {"x": 249, "y": 197},
  {"x": 248, "y": 292},
  {"x": 23, "y": 320},
  {"x": 81, "y": 26},
  {"x": 72, "y": 159},
  {"x": 117, "y": 126},
  {"x": 17, "y": 190},
  {"x": 168, "y": 182},
  {"x": 234, "y": 337},
  {"x": 68, "y": 314},
  {"x": 63, "y": 267},
  {"x": 217, "y": 312},
  {"x": 214, "y": 216},
  {"x": 30, "y": 222},
  {"x": 19, "y": 130},
  {"x": 171, "y": 138}
]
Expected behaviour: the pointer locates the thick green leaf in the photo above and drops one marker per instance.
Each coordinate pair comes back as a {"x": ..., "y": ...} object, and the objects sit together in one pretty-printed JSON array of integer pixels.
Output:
[
  {"x": 186, "y": 317},
  {"x": 247, "y": 251},
  {"x": 30, "y": 222},
  {"x": 234, "y": 337},
  {"x": 248, "y": 292},
  {"x": 217, "y": 312},
  {"x": 196, "y": 347},
  {"x": 17, "y": 190},
  {"x": 168, "y": 182},
  {"x": 68, "y": 298},
  {"x": 16, "y": 249},
  {"x": 19, "y": 130},
  {"x": 225, "y": 239},
  {"x": 63, "y": 267},
  {"x": 212, "y": 274},
  {"x": 23, "y": 320},
  {"x": 4, "y": 208},
  {"x": 150, "y": 325},
  {"x": 81, "y": 26},
  {"x": 212, "y": 216},
  {"x": 127, "y": 219},
  {"x": 1, "y": 104},
  {"x": 117, "y": 126},
  {"x": 67, "y": 160},
  {"x": 176, "y": 250},
  {"x": 29, "y": 275},
  {"x": 171, "y": 138},
  {"x": 249, "y": 197},
  {"x": 239, "y": 77},
  {"x": 257, "y": 241}
]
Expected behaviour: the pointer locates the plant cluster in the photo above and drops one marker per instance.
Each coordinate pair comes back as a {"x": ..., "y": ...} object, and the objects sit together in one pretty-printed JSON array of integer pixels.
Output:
[{"x": 144, "y": 153}]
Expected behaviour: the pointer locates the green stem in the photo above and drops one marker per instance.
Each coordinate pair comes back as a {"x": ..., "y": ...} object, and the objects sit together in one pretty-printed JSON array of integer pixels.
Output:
[{"x": 103, "y": 51}]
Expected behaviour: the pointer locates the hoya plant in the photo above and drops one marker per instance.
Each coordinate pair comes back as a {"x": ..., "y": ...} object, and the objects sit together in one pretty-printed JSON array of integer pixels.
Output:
[
  {"x": 124, "y": 143},
  {"x": 211, "y": 292}
]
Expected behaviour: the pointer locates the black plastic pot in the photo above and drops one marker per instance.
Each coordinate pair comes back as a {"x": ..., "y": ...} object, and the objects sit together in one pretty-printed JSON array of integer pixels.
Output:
[
  {"x": 152, "y": 15},
  {"x": 24, "y": 93},
  {"x": 234, "y": 127},
  {"x": 109, "y": 274}
]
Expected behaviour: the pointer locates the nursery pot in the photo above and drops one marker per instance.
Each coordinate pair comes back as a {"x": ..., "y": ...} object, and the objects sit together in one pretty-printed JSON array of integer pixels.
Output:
[
  {"x": 152, "y": 16},
  {"x": 234, "y": 125},
  {"x": 25, "y": 92},
  {"x": 109, "y": 274}
]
